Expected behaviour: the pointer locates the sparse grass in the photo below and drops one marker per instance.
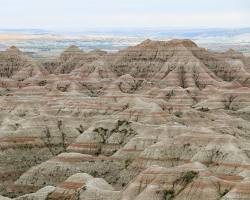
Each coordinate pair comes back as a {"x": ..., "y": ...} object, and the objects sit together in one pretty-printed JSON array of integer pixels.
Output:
[
  {"x": 182, "y": 77},
  {"x": 227, "y": 102},
  {"x": 178, "y": 114},
  {"x": 224, "y": 193},
  {"x": 80, "y": 129},
  {"x": 202, "y": 109},
  {"x": 42, "y": 83},
  {"x": 63, "y": 135},
  {"x": 186, "y": 177},
  {"x": 103, "y": 133},
  {"x": 168, "y": 194},
  {"x": 127, "y": 163},
  {"x": 47, "y": 140}
]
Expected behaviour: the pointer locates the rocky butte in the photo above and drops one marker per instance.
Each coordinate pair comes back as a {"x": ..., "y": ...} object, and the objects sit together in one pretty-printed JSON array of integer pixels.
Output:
[{"x": 162, "y": 120}]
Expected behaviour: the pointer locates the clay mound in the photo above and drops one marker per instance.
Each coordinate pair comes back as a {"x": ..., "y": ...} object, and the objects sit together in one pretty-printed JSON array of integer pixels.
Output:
[
  {"x": 143, "y": 60},
  {"x": 105, "y": 138},
  {"x": 73, "y": 58},
  {"x": 41, "y": 194},
  {"x": 240, "y": 191},
  {"x": 71, "y": 51},
  {"x": 184, "y": 70},
  {"x": 142, "y": 109},
  {"x": 101, "y": 72},
  {"x": 126, "y": 84},
  {"x": 154, "y": 121},
  {"x": 230, "y": 99},
  {"x": 223, "y": 156},
  {"x": 84, "y": 186},
  {"x": 71, "y": 187},
  {"x": 228, "y": 66},
  {"x": 51, "y": 65},
  {"x": 59, "y": 168},
  {"x": 186, "y": 181},
  {"x": 14, "y": 64},
  {"x": 169, "y": 63}
]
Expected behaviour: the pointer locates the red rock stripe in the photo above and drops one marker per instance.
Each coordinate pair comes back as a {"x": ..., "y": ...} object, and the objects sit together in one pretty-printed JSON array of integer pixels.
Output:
[
  {"x": 70, "y": 185},
  {"x": 18, "y": 139}
]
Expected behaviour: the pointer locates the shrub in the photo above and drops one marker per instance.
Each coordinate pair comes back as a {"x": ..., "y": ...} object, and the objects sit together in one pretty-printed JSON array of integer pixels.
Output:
[
  {"x": 224, "y": 192},
  {"x": 178, "y": 113},
  {"x": 187, "y": 177},
  {"x": 168, "y": 194}
]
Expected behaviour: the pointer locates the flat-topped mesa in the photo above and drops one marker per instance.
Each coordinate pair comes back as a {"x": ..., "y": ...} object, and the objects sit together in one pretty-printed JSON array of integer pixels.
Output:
[
  {"x": 156, "y": 59},
  {"x": 151, "y": 57},
  {"x": 171, "y": 43}
]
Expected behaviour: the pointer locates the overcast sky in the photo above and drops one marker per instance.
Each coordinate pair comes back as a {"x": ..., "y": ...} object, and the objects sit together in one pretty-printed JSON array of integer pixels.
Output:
[{"x": 76, "y": 15}]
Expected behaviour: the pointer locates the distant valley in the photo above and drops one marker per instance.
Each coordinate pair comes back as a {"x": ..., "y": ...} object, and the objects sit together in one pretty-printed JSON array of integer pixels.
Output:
[{"x": 41, "y": 43}]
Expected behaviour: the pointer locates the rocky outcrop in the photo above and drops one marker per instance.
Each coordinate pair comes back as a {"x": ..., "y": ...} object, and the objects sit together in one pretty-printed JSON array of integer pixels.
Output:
[{"x": 160, "y": 120}]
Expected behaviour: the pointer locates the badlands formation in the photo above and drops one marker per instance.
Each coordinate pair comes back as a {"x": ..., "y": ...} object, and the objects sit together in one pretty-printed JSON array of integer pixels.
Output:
[{"x": 157, "y": 121}]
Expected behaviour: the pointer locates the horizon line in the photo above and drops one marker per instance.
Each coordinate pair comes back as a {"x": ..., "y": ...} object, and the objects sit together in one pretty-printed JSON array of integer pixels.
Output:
[{"x": 125, "y": 28}]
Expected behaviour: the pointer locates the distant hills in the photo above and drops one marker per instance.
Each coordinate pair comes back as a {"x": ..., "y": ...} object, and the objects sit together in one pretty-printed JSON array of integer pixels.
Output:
[
  {"x": 41, "y": 43},
  {"x": 146, "y": 32}
]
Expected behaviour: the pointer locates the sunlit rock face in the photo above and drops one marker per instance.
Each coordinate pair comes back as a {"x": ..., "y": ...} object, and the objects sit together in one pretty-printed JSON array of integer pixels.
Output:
[{"x": 160, "y": 120}]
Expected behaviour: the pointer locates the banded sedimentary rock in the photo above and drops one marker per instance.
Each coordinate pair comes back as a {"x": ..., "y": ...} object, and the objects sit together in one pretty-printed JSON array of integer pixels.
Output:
[{"x": 160, "y": 120}]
